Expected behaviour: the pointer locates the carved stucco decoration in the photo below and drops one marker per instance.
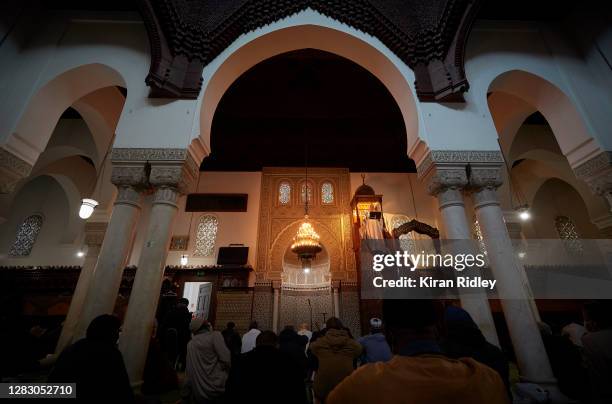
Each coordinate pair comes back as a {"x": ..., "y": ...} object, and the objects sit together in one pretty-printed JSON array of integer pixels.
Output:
[
  {"x": 457, "y": 170},
  {"x": 457, "y": 158},
  {"x": 278, "y": 223},
  {"x": 597, "y": 173},
  {"x": 490, "y": 177},
  {"x": 12, "y": 170},
  {"x": 429, "y": 36},
  {"x": 157, "y": 167}
]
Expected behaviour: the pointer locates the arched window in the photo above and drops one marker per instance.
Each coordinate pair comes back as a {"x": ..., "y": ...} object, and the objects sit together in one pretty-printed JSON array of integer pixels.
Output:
[
  {"x": 567, "y": 232},
  {"x": 26, "y": 236},
  {"x": 327, "y": 193},
  {"x": 206, "y": 235},
  {"x": 284, "y": 193},
  {"x": 306, "y": 192}
]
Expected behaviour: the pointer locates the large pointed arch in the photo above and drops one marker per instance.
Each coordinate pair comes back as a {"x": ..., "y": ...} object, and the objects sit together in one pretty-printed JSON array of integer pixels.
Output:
[{"x": 37, "y": 122}]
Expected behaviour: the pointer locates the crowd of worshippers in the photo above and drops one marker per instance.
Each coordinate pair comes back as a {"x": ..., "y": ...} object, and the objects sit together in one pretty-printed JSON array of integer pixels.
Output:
[{"x": 421, "y": 351}]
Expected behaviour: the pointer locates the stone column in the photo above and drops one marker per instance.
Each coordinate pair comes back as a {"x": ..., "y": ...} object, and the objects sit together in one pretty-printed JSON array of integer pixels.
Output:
[
  {"x": 113, "y": 255},
  {"x": 515, "y": 233},
  {"x": 336, "y": 298},
  {"x": 524, "y": 332},
  {"x": 140, "y": 316},
  {"x": 275, "y": 304},
  {"x": 172, "y": 172},
  {"x": 447, "y": 182},
  {"x": 94, "y": 235}
]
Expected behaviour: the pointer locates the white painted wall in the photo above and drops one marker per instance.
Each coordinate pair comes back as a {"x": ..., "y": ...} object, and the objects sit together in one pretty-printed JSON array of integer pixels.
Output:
[
  {"x": 41, "y": 48},
  {"x": 234, "y": 227}
]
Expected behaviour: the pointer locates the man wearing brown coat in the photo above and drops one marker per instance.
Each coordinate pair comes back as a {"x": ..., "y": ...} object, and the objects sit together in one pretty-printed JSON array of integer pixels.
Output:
[{"x": 336, "y": 352}]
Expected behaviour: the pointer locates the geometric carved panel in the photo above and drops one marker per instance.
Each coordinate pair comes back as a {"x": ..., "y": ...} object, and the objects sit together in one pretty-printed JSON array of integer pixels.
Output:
[
  {"x": 234, "y": 306},
  {"x": 278, "y": 222}
]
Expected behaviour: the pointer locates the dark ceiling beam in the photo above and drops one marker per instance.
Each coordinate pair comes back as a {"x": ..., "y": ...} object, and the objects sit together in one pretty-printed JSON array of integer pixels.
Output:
[{"x": 429, "y": 36}]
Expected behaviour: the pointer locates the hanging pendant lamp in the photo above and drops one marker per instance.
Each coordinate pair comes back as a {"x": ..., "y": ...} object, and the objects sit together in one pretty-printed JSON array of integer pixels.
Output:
[{"x": 306, "y": 243}]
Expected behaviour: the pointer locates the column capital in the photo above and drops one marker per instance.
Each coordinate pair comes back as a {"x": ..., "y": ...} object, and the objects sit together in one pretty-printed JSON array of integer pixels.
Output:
[
  {"x": 453, "y": 169},
  {"x": 487, "y": 176},
  {"x": 441, "y": 179},
  {"x": 166, "y": 195},
  {"x": 485, "y": 196},
  {"x": 94, "y": 233},
  {"x": 167, "y": 167},
  {"x": 12, "y": 170},
  {"x": 129, "y": 175},
  {"x": 128, "y": 195}
]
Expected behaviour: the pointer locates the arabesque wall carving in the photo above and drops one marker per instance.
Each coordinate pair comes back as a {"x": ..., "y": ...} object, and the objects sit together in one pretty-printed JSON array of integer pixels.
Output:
[{"x": 278, "y": 223}]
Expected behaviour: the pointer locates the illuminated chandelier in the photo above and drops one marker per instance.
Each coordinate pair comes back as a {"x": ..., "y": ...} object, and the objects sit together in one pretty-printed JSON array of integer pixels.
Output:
[{"x": 306, "y": 243}]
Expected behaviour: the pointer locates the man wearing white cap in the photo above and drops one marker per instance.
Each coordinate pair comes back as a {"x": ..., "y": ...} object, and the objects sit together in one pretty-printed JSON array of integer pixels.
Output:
[{"x": 375, "y": 346}]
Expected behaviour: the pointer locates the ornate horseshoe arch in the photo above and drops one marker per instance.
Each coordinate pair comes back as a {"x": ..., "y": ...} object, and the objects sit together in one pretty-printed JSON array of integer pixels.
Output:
[{"x": 284, "y": 239}]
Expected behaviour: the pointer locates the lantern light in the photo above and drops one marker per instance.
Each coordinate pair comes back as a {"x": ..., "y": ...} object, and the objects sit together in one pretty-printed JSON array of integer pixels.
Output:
[
  {"x": 523, "y": 213},
  {"x": 184, "y": 259},
  {"x": 87, "y": 208}
]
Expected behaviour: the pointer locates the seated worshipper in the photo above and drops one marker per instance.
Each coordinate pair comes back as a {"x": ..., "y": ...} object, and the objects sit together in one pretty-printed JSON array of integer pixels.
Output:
[
  {"x": 266, "y": 375},
  {"x": 465, "y": 340},
  {"x": 375, "y": 345},
  {"x": 597, "y": 351},
  {"x": 335, "y": 352},
  {"x": 95, "y": 364},
  {"x": 248, "y": 339},
  {"x": 208, "y": 364},
  {"x": 419, "y": 372}
]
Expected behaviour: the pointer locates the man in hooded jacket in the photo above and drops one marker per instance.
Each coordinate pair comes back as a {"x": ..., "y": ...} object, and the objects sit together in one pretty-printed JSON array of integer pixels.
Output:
[{"x": 336, "y": 352}]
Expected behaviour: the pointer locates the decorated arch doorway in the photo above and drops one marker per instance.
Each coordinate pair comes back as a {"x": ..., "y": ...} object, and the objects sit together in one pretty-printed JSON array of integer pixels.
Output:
[
  {"x": 282, "y": 289},
  {"x": 306, "y": 293}
]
